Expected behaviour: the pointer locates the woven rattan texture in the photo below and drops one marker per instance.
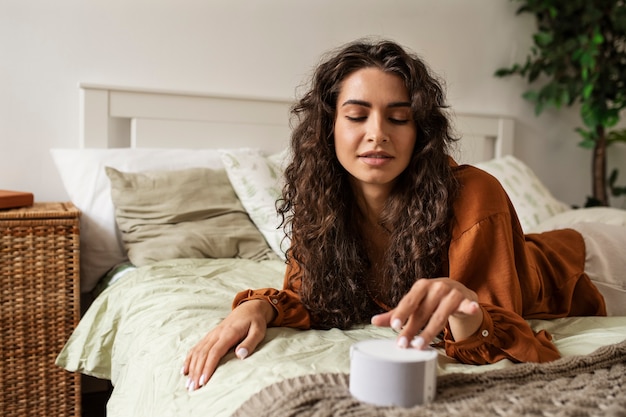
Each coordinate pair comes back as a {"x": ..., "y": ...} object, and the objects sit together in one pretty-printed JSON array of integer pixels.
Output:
[{"x": 39, "y": 308}]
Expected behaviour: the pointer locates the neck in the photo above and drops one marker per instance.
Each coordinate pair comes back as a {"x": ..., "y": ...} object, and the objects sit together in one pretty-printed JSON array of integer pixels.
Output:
[{"x": 371, "y": 201}]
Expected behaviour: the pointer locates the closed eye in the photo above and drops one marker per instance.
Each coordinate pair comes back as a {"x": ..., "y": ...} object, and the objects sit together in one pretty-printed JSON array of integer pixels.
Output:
[
  {"x": 398, "y": 121},
  {"x": 356, "y": 118}
]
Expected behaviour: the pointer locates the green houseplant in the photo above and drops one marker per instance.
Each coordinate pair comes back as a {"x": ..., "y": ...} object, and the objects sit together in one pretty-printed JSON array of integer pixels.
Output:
[{"x": 579, "y": 57}]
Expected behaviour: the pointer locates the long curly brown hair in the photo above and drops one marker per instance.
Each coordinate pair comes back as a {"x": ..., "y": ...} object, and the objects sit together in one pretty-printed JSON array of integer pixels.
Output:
[{"x": 319, "y": 208}]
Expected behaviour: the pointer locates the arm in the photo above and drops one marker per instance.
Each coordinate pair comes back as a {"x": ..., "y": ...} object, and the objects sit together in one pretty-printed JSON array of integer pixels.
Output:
[
  {"x": 491, "y": 259},
  {"x": 489, "y": 268},
  {"x": 478, "y": 307},
  {"x": 488, "y": 254},
  {"x": 245, "y": 327}
]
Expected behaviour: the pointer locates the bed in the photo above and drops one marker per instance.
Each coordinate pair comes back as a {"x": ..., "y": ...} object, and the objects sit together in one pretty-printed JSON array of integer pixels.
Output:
[{"x": 177, "y": 194}]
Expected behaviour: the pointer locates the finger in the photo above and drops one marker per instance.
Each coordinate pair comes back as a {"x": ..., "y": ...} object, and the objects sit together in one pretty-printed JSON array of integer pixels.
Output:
[
  {"x": 438, "y": 319},
  {"x": 468, "y": 307},
  {"x": 186, "y": 363},
  {"x": 439, "y": 303},
  {"x": 198, "y": 358},
  {"x": 198, "y": 355},
  {"x": 207, "y": 368},
  {"x": 433, "y": 294},
  {"x": 383, "y": 319},
  {"x": 256, "y": 334},
  {"x": 206, "y": 355},
  {"x": 409, "y": 304}
]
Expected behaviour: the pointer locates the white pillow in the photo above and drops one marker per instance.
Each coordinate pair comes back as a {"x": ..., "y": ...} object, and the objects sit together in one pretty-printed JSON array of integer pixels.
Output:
[
  {"x": 258, "y": 181},
  {"x": 84, "y": 178},
  {"x": 607, "y": 215},
  {"x": 533, "y": 202}
]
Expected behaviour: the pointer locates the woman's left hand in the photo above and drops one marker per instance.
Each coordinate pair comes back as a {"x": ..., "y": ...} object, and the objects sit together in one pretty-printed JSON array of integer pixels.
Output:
[{"x": 429, "y": 305}]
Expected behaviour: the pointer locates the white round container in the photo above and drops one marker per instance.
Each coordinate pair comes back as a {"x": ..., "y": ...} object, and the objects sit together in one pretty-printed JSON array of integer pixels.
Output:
[{"x": 384, "y": 374}]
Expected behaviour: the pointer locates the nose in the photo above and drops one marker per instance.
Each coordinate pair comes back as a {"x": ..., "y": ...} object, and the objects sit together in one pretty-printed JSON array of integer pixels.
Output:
[{"x": 376, "y": 131}]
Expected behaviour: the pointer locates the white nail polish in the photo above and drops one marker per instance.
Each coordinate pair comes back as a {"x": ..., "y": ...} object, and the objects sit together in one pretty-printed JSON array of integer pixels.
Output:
[
  {"x": 187, "y": 383},
  {"x": 201, "y": 382},
  {"x": 417, "y": 342},
  {"x": 192, "y": 386},
  {"x": 396, "y": 324},
  {"x": 182, "y": 370},
  {"x": 242, "y": 353},
  {"x": 403, "y": 342}
]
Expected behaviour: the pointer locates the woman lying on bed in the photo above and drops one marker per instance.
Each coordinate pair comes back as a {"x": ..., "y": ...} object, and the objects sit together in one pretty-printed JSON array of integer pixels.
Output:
[{"x": 386, "y": 227}]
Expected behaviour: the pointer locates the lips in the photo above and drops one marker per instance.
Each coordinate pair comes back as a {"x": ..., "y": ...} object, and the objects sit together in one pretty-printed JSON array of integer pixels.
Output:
[
  {"x": 376, "y": 159},
  {"x": 375, "y": 155}
]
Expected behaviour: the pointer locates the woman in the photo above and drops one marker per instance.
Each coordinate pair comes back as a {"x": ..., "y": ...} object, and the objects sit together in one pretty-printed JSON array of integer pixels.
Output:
[{"x": 386, "y": 227}]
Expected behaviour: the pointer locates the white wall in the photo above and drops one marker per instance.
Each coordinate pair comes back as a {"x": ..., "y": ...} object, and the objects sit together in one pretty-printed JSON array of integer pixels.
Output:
[{"x": 254, "y": 47}]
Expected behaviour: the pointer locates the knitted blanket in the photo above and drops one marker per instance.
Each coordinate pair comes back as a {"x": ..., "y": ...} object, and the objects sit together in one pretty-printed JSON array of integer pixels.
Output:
[{"x": 589, "y": 385}]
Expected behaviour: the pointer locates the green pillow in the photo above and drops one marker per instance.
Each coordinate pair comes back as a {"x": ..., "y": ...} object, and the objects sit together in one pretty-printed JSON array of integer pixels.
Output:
[{"x": 190, "y": 213}]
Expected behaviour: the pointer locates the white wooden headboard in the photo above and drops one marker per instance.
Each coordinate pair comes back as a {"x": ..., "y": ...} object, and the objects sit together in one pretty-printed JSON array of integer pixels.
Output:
[{"x": 114, "y": 117}]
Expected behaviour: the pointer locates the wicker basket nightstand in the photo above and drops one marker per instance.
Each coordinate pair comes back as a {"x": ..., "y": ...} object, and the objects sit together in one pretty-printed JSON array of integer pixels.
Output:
[{"x": 39, "y": 308}]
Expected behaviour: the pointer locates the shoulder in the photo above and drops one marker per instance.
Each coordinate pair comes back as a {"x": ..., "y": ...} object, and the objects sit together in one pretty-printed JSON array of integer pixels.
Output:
[
  {"x": 479, "y": 188},
  {"x": 474, "y": 179},
  {"x": 480, "y": 197}
]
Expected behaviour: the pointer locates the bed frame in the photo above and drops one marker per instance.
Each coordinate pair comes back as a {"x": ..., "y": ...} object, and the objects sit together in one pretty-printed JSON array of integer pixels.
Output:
[{"x": 120, "y": 117}]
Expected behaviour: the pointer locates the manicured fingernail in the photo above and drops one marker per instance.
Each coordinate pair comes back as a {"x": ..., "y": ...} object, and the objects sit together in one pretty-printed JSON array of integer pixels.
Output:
[
  {"x": 192, "y": 386},
  {"x": 417, "y": 342},
  {"x": 374, "y": 318},
  {"x": 396, "y": 324},
  {"x": 403, "y": 342},
  {"x": 188, "y": 383},
  {"x": 242, "y": 353},
  {"x": 201, "y": 382},
  {"x": 182, "y": 370}
]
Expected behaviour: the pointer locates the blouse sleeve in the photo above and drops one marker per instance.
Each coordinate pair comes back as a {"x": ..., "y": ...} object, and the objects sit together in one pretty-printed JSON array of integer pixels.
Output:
[{"x": 290, "y": 312}]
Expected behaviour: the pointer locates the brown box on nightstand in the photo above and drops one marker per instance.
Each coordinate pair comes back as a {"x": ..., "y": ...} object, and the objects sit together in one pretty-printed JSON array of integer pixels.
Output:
[
  {"x": 12, "y": 199},
  {"x": 39, "y": 309}
]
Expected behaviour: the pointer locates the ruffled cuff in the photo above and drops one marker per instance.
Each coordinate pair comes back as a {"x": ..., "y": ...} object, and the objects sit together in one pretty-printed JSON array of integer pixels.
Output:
[
  {"x": 468, "y": 350},
  {"x": 502, "y": 335},
  {"x": 289, "y": 310}
]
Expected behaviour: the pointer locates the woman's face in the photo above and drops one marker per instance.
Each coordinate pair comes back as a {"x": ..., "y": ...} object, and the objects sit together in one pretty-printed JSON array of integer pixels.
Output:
[{"x": 374, "y": 128}]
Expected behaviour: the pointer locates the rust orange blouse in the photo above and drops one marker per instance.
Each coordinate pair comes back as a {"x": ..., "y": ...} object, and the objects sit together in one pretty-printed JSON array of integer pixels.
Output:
[{"x": 516, "y": 277}]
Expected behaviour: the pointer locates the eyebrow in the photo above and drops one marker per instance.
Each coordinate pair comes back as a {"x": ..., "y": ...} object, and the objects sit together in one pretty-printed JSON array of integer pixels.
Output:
[{"x": 369, "y": 105}]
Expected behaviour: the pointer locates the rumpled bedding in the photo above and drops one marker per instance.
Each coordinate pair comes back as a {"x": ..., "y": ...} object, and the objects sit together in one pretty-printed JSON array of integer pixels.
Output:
[{"x": 138, "y": 331}]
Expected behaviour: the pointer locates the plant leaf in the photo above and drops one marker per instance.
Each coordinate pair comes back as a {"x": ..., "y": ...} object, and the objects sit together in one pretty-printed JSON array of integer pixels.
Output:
[
  {"x": 586, "y": 134},
  {"x": 531, "y": 95},
  {"x": 587, "y": 143},
  {"x": 543, "y": 39},
  {"x": 616, "y": 136}
]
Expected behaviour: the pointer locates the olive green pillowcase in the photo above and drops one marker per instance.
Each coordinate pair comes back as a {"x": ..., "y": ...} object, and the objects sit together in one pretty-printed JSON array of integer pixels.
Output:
[{"x": 190, "y": 213}]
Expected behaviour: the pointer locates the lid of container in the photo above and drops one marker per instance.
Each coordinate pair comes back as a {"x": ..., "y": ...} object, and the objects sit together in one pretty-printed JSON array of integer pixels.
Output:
[{"x": 389, "y": 350}]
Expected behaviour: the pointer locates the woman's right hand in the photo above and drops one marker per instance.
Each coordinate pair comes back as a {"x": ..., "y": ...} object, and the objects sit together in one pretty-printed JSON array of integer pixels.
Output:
[{"x": 244, "y": 328}]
